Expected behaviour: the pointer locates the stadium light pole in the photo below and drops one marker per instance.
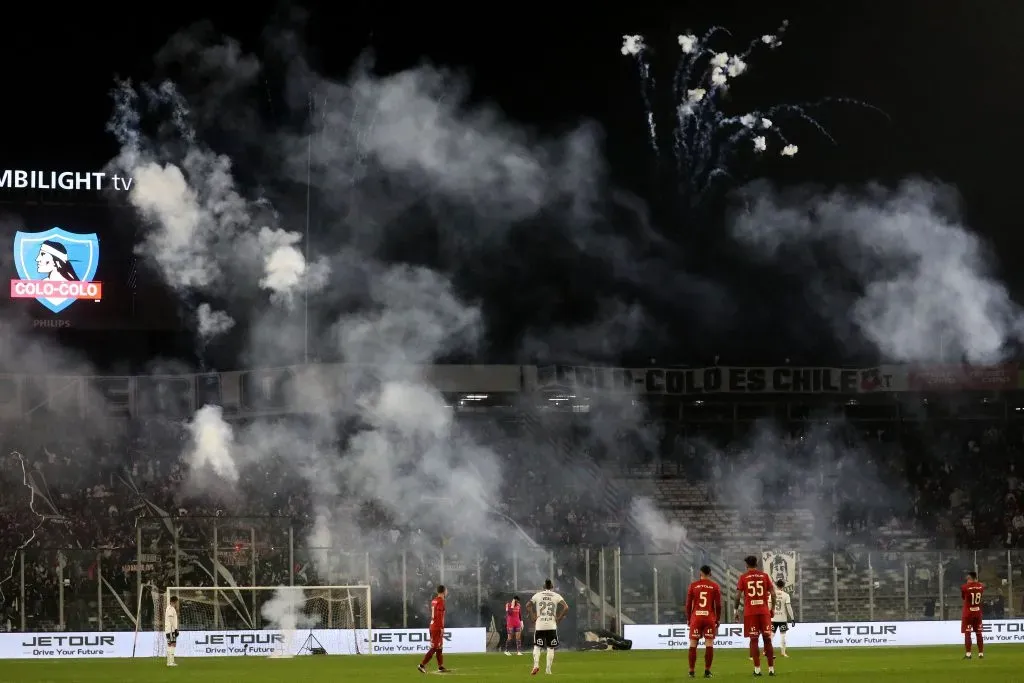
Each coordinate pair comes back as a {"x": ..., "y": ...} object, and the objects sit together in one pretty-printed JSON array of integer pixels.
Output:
[{"x": 309, "y": 184}]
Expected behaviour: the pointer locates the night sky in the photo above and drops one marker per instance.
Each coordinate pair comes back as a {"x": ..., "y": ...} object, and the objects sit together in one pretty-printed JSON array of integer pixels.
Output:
[{"x": 943, "y": 72}]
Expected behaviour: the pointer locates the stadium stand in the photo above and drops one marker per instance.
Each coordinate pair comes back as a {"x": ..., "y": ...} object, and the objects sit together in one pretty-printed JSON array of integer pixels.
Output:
[{"x": 85, "y": 523}]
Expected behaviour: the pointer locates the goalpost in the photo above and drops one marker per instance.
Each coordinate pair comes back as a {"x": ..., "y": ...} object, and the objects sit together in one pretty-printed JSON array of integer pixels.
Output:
[{"x": 267, "y": 621}]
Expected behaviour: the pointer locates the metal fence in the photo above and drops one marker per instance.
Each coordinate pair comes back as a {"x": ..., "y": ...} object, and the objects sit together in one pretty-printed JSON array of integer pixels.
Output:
[
  {"x": 839, "y": 586},
  {"x": 111, "y": 589}
]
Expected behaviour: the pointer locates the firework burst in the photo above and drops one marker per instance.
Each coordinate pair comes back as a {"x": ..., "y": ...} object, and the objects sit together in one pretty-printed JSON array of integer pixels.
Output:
[{"x": 705, "y": 140}]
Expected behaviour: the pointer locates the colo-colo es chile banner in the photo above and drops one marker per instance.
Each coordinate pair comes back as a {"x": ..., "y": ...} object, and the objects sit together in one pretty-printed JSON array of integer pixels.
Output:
[{"x": 721, "y": 379}]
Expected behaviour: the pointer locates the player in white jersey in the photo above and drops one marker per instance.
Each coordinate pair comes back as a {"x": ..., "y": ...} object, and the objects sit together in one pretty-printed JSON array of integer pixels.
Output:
[
  {"x": 171, "y": 629},
  {"x": 546, "y": 608},
  {"x": 782, "y": 615}
]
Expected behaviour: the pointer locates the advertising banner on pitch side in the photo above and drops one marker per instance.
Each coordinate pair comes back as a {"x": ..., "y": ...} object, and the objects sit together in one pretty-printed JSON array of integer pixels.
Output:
[
  {"x": 834, "y": 634},
  {"x": 234, "y": 643}
]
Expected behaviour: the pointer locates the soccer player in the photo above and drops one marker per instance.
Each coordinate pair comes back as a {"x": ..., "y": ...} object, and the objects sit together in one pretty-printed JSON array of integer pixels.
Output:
[
  {"x": 437, "y": 609},
  {"x": 782, "y": 616},
  {"x": 547, "y": 608},
  {"x": 171, "y": 629},
  {"x": 703, "y": 614},
  {"x": 513, "y": 625},
  {"x": 754, "y": 593},
  {"x": 970, "y": 618}
]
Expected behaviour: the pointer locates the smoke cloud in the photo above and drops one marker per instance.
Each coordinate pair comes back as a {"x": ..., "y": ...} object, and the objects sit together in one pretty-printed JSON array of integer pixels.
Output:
[{"x": 911, "y": 278}]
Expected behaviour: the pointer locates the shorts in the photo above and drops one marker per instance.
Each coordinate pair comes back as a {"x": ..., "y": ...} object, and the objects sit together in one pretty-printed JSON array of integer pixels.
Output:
[
  {"x": 436, "y": 639},
  {"x": 702, "y": 627},
  {"x": 756, "y": 625},
  {"x": 779, "y": 626},
  {"x": 971, "y": 625},
  {"x": 548, "y": 638},
  {"x": 514, "y": 628}
]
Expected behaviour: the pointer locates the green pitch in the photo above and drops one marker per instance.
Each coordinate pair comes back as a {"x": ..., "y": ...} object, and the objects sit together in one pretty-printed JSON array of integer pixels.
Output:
[{"x": 1002, "y": 663}]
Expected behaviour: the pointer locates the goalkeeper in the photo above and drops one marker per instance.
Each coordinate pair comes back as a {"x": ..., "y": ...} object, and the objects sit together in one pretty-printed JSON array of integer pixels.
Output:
[{"x": 171, "y": 629}]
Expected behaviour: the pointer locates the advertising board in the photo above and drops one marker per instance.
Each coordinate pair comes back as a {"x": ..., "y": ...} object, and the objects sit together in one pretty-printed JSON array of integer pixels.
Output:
[
  {"x": 234, "y": 643},
  {"x": 832, "y": 635}
]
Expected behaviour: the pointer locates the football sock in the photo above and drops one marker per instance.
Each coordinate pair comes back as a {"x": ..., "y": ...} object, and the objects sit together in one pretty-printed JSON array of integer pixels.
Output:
[
  {"x": 171, "y": 649},
  {"x": 755, "y": 652},
  {"x": 769, "y": 651},
  {"x": 536, "y": 656},
  {"x": 551, "y": 657},
  {"x": 709, "y": 656},
  {"x": 782, "y": 642},
  {"x": 981, "y": 644},
  {"x": 967, "y": 642},
  {"x": 427, "y": 657},
  {"x": 440, "y": 658},
  {"x": 693, "y": 656}
]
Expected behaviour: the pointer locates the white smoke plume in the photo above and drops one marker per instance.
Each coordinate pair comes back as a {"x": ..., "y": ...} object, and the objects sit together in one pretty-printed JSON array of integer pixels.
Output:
[
  {"x": 922, "y": 284},
  {"x": 211, "y": 323},
  {"x": 661, "y": 533},
  {"x": 211, "y": 448},
  {"x": 286, "y": 611}
]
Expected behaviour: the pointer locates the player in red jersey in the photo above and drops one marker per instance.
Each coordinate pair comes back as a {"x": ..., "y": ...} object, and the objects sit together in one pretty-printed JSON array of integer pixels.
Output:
[
  {"x": 437, "y": 609},
  {"x": 514, "y": 625},
  {"x": 703, "y": 614},
  {"x": 970, "y": 619},
  {"x": 754, "y": 592}
]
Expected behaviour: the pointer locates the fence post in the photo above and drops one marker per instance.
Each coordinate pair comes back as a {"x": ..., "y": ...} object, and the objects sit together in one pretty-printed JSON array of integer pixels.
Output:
[
  {"x": 656, "y": 595},
  {"x": 256, "y": 615},
  {"x": 138, "y": 560},
  {"x": 906, "y": 588},
  {"x": 835, "y": 587},
  {"x": 942, "y": 589},
  {"x": 99, "y": 591},
  {"x": 602, "y": 576},
  {"x": 60, "y": 590},
  {"x": 1009, "y": 583},
  {"x": 21, "y": 573},
  {"x": 405, "y": 592},
  {"x": 177, "y": 551},
  {"x": 800, "y": 584},
  {"x": 871, "y": 590},
  {"x": 976, "y": 562},
  {"x": 291, "y": 555},
  {"x": 586, "y": 580},
  {"x": 216, "y": 583},
  {"x": 515, "y": 570},
  {"x": 479, "y": 593},
  {"x": 441, "y": 552},
  {"x": 618, "y": 591}
]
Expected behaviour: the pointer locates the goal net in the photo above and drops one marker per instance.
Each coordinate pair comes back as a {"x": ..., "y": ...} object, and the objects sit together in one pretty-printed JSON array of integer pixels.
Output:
[{"x": 267, "y": 621}]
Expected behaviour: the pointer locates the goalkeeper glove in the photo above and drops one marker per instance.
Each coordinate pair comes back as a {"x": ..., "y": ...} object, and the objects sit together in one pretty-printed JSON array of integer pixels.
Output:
[
  {"x": 175, "y": 634},
  {"x": 792, "y": 624}
]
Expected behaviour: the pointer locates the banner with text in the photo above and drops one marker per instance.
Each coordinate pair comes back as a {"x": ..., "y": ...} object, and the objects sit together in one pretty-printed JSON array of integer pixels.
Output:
[
  {"x": 834, "y": 634},
  {"x": 234, "y": 643},
  {"x": 963, "y": 377},
  {"x": 725, "y": 380}
]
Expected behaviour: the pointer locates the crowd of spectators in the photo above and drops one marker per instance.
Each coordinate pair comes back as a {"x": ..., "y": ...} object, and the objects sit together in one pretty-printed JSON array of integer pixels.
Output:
[{"x": 72, "y": 510}]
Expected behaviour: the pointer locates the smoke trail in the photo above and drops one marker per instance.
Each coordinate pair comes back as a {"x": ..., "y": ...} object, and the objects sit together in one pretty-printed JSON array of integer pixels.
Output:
[
  {"x": 31, "y": 506},
  {"x": 922, "y": 288},
  {"x": 285, "y": 611},
  {"x": 661, "y": 534},
  {"x": 706, "y": 142}
]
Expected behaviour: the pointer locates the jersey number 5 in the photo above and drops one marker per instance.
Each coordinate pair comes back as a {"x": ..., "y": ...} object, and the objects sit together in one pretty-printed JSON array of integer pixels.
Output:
[
  {"x": 755, "y": 589},
  {"x": 702, "y": 599}
]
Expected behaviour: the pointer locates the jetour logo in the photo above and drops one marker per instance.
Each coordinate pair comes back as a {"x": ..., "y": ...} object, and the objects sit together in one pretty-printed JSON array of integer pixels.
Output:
[{"x": 56, "y": 268}]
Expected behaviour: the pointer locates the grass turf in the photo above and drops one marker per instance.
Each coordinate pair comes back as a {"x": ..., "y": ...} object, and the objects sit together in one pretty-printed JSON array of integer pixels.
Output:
[{"x": 1002, "y": 663}]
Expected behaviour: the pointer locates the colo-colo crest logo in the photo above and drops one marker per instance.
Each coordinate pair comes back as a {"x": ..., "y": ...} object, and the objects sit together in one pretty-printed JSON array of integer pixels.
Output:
[{"x": 56, "y": 268}]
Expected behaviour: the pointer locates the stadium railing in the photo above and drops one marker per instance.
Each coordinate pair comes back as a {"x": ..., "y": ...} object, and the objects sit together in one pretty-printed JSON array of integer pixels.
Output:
[
  {"x": 852, "y": 585},
  {"x": 103, "y": 589}
]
